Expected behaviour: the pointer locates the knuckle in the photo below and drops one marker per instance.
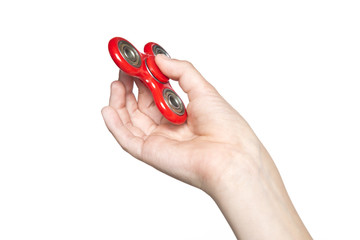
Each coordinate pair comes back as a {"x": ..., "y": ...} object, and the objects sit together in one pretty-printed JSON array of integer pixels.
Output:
[{"x": 188, "y": 64}]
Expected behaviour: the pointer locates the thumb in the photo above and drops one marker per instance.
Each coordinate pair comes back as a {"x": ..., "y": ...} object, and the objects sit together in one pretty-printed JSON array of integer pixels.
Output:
[{"x": 190, "y": 80}]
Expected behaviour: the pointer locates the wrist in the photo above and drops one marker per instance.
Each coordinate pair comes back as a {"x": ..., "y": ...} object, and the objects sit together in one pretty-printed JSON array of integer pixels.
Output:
[
  {"x": 254, "y": 200},
  {"x": 235, "y": 170}
]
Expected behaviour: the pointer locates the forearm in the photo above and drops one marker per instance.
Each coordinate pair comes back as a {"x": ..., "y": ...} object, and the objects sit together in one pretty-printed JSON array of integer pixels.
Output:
[{"x": 256, "y": 204}]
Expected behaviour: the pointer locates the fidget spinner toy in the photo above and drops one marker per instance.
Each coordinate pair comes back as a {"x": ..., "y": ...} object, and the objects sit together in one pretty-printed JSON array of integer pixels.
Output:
[{"x": 143, "y": 66}]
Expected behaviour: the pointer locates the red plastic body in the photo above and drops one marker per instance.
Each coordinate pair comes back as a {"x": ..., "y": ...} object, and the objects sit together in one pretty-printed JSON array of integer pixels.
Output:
[{"x": 156, "y": 87}]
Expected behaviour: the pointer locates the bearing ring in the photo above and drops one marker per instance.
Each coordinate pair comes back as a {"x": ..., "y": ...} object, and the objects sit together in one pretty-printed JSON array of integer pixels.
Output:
[
  {"x": 129, "y": 53},
  {"x": 157, "y": 49},
  {"x": 173, "y": 101}
]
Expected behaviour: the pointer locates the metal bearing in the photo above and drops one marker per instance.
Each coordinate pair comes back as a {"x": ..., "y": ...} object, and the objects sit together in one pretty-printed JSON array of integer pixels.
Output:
[
  {"x": 173, "y": 101},
  {"x": 129, "y": 53},
  {"x": 157, "y": 49}
]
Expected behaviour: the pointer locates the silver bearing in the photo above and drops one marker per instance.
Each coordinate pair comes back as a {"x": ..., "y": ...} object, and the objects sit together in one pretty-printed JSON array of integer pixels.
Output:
[
  {"x": 173, "y": 101},
  {"x": 157, "y": 49},
  {"x": 129, "y": 53}
]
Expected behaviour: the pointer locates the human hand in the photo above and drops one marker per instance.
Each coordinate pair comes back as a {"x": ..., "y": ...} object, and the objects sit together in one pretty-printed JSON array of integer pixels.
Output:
[
  {"x": 215, "y": 150},
  {"x": 198, "y": 152}
]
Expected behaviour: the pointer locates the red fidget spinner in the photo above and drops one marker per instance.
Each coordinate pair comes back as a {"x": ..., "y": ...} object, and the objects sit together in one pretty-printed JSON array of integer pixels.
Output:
[{"x": 143, "y": 66}]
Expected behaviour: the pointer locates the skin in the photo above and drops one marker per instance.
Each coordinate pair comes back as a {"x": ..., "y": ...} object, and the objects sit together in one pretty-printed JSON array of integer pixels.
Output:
[{"x": 215, "y": 151}]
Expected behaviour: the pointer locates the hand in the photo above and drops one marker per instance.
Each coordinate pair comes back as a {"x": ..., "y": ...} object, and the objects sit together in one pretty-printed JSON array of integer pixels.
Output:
[
  {"x": 198, "y": 152},
  {"x": 215, "y": 150}
]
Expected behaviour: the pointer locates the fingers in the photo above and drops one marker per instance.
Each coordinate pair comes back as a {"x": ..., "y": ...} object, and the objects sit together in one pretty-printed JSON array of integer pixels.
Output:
[
  {"x": 145, "y": 97},
  {"x": 128, "y": 141},
  {"x": 190, "y": 80},
  {"x": 117, "y": 95},
  {"x": 145, "y": 106},
  {"x": 137, "y": 122},
  {"x": 127, "y": 80},
  {"x": 146, "y": 103},
  {"x": 128, "y": 83}
]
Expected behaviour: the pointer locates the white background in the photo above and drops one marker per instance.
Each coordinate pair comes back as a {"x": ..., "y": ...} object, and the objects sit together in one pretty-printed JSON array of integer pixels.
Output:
[{"x": 291, "y": 68}]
